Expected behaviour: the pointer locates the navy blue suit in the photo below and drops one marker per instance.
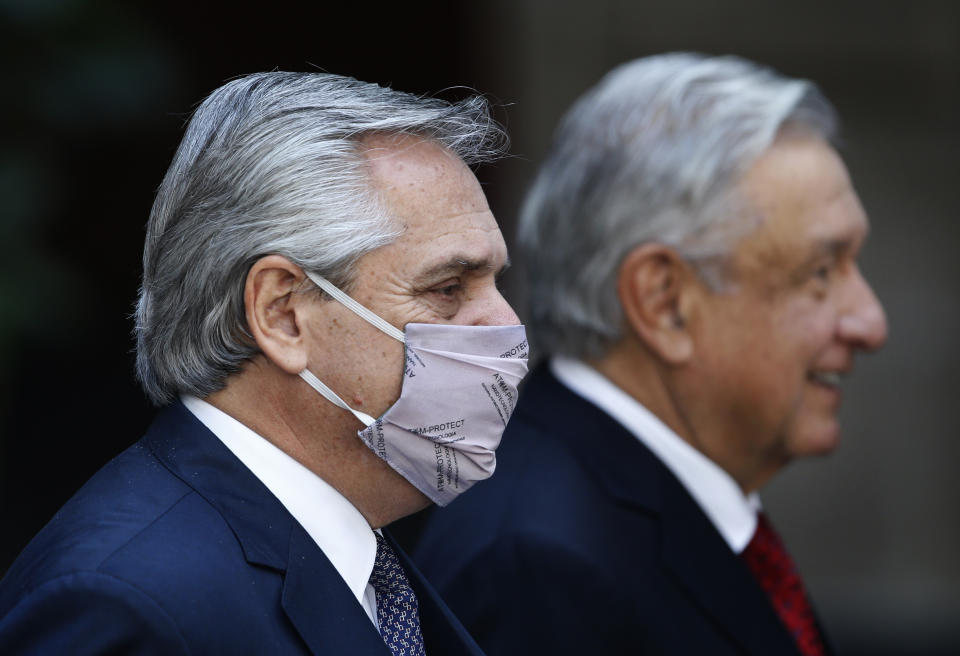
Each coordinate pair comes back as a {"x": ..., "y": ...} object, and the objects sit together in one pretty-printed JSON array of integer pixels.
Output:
[
  {"x": 584, "y": 543},
  {"x": 176, "y": 547}
]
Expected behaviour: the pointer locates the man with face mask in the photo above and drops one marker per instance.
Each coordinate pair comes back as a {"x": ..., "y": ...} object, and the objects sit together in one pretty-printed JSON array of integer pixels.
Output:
[{"x": 320, "y": 321}]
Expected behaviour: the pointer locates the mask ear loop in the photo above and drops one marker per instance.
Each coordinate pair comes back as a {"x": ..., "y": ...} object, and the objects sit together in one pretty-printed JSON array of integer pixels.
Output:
[
  {"x": 367, "y": 316},
  {"x": 356, "y": 308},
  {"x": 331, "y": 396}
]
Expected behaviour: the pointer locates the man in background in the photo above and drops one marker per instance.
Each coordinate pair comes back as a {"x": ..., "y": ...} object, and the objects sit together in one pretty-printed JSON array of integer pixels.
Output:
[
  {"x": 248, "y": 518},
  {"x": 691, "y": 245}
]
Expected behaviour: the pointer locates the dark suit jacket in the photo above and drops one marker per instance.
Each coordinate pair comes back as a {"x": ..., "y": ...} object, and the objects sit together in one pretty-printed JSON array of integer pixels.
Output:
[
  {"x": 176, "y": 547},
  {"x": 584, "y": 543}
]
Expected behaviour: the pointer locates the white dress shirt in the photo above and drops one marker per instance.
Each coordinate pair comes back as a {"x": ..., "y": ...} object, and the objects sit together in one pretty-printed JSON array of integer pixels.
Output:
[
  {"x": 332, "y": 522},
  {"x": 718, "y": 495}
]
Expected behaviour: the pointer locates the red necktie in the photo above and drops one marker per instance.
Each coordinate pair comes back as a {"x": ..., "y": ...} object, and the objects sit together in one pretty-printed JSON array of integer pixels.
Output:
[{"x": 774, "y": 570}]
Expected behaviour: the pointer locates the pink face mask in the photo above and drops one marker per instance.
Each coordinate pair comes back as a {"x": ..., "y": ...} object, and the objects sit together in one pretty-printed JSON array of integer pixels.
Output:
[{"x": 459, "y": 389}]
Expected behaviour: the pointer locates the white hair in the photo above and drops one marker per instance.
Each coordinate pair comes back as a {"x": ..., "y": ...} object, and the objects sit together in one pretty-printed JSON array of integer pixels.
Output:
[
  {"x": 271, "y": 164},
  {"x": 652, "y": 153}
]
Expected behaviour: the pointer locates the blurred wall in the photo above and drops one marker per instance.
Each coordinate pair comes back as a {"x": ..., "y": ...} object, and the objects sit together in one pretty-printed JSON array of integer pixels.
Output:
[{"x": 95, "y": 103}]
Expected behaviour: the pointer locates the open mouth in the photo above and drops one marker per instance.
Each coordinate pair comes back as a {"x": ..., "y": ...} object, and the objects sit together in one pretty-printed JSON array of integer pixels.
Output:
[{"x": 826, "y": 378}]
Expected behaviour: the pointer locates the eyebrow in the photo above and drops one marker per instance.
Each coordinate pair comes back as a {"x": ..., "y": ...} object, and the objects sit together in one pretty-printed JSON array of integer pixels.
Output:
[
  {"x": 460, "y": 264},
  {"x": 813, "y": 253},
  {"x": 828, "y": 247},
  {"x": 831, "y": 247}
]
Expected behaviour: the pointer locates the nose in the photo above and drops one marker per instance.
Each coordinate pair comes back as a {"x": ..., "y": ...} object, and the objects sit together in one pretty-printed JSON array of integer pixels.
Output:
[
  {"x": 488, "y": 308},
  {"x": 863, "y": 323},
  {"x": 500, "y": 312}
]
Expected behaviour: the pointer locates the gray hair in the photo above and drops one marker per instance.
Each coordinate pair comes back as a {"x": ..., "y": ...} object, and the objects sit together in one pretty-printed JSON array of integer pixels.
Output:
[
  {"x": 271, "y": 164},
  {"x": 652, "y": 153}
]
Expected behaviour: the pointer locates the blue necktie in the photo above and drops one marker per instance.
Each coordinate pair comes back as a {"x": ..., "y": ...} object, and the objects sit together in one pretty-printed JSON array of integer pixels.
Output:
[{"x": 397, "y": 609}]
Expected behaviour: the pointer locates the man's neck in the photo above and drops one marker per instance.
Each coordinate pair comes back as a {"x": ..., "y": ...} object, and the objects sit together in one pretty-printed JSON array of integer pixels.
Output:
[
  {"x": 642, "y": 378},
  {"x": 660, "y": 389},
  {"x": 322, "y": 437}
]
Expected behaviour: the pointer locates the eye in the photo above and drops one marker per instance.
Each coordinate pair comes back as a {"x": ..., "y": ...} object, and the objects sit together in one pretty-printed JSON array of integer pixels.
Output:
[
  {"x": 448, "y": 289},
  {"x": 824, "y": 270}
]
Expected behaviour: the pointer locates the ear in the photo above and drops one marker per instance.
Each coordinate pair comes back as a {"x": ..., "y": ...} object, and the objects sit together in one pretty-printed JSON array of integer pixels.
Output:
[
  {"x": 655, "y": 286},
  {"x": 275, "y": 313}
]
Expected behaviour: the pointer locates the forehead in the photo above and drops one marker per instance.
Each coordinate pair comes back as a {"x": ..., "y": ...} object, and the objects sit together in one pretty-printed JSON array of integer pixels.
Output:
[
  {"x": 804, "y": 202},
  {"x": 418, "y": 177},
  {"x": 435, "y": 200}
]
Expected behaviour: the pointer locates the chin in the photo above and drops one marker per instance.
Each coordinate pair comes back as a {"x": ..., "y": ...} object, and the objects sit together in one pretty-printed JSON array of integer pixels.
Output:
[{"x": 820, "y": 442}]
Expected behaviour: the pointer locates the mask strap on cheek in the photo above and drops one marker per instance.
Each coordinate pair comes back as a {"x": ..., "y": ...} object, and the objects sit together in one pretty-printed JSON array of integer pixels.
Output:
[
  {"x": 331, "y": 396},
  {"x": 355, "y": 307}
]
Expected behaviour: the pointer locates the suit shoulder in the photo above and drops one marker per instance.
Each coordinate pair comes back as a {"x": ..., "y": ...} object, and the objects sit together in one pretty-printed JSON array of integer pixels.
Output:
[
  {"x": 541, "y": 486},
  {"x": 127, "y": 506},
  {"x": 106, "y": 615},
  {"x": 541, "y": 499},
  {"x": 517, "y": 590}
]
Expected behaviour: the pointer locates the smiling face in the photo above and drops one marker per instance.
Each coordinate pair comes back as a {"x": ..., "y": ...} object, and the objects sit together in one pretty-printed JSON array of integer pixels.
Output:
[
  {"x": 771, "y": 351},
  {"x": 441, "y": 269}
]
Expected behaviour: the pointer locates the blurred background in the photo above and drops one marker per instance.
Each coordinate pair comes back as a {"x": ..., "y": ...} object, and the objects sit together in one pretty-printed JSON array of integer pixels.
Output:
[{"x": 94, "y": 103}]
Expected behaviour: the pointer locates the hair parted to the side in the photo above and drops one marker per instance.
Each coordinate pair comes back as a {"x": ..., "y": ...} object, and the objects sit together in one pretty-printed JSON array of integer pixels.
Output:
[
  {"x": 652, "y": 153},
  {"x": 271, "y": 164}
]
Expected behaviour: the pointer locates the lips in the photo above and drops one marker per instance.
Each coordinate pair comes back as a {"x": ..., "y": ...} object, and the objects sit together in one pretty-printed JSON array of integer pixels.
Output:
[{"x": 826, "y": 378}]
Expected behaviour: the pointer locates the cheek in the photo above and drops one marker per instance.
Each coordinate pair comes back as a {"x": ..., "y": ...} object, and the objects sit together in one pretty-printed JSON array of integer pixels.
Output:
[
  {"x": 802, "y": 330},
  {"x": 379, "y": 373},
  {"x": 758, "y": 349},
  {"x": 365, "y": 369},
  {"x": 768, "y": 368}
]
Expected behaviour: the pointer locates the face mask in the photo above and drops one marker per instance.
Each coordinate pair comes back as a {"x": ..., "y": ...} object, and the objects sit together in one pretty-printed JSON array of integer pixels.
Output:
[{"x": 459, "y": 389}]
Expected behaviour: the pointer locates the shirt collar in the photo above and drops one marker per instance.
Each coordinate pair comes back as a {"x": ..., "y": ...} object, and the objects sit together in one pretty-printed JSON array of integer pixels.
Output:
[
  {"x": 732, "y": 513},
  {"x": 329, "y": 519}
]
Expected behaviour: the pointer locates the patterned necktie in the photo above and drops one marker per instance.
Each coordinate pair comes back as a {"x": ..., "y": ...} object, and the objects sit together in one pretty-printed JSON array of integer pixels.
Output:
[
  {"x": 397, "y": 609},
  {"x": 774, "y": 570}
]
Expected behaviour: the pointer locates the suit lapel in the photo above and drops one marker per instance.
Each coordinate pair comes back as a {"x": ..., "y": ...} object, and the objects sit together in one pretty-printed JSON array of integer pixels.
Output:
[
  {"x": 693, "y": 551},
  {"x": 716, "y": 579},
  {"x": 315, "y": 597},
  {"x": 321, "y": 606},
  {"x": 442, "y": 631}
]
